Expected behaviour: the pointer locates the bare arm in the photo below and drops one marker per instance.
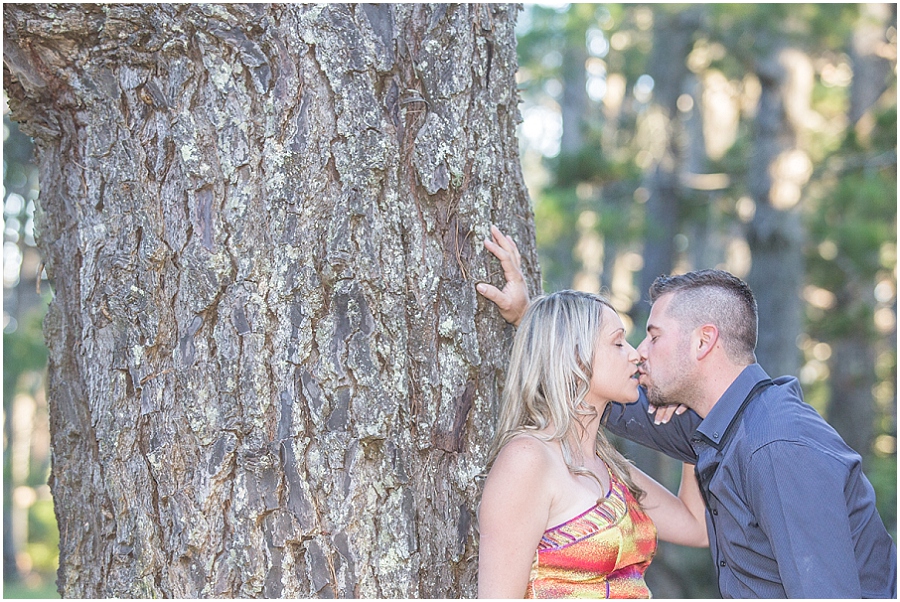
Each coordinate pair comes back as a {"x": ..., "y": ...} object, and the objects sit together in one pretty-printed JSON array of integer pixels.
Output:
[
  {"x": 679, "y": 519},
  {"x": 513, "y": 515},
  {"x": 512, "y": 300}
]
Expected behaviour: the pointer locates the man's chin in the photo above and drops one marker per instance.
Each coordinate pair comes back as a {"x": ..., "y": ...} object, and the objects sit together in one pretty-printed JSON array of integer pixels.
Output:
[{"x": 655, "y": 399}]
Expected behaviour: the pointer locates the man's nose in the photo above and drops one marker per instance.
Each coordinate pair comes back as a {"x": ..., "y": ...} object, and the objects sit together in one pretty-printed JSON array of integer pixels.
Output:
[{"x": 642, "y": 349}]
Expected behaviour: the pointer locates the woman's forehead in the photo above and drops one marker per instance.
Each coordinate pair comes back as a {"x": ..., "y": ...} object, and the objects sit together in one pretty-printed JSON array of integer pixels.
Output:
[{"x": 611, "y": 320}]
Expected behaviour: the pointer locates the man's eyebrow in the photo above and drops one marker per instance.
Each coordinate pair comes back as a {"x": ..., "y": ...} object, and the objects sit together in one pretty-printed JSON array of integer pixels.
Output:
[{"x": 652, "y": 327}]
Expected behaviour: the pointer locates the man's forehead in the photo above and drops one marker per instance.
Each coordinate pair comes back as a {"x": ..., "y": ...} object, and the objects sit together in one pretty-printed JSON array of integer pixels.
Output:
[
  {"x": 658, "y": 314},
  {"x": 661, "y": 304}
]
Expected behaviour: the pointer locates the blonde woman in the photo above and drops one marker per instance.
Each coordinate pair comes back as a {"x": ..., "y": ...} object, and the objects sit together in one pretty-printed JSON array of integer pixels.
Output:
[{"x": 563, "y": 514}]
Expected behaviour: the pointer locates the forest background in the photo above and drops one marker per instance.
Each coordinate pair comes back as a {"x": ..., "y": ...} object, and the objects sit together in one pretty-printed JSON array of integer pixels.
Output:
[{"x": 643, "y": 129}]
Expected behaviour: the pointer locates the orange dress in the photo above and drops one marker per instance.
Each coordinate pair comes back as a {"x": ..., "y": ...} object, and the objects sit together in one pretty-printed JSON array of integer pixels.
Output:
[{"x": 602, "y": 553}]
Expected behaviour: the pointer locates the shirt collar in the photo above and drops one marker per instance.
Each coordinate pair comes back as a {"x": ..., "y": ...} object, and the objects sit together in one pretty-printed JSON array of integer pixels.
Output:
[{"x": 724, "y": 412}]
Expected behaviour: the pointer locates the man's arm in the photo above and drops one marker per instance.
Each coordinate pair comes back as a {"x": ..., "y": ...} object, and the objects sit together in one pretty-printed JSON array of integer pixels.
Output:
[
  {"x": 634, "y": 422},
  {"x": 797, "y": 495}
]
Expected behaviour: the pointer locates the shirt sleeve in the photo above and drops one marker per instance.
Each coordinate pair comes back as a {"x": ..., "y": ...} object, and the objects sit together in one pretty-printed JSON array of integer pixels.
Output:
[
  {"x": 633, "y": 422},
  {"x": 797, "y": 495}
]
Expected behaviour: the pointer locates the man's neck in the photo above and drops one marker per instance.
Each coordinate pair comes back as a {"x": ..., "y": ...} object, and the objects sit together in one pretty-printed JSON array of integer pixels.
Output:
[{"x": 713, "y": 385}]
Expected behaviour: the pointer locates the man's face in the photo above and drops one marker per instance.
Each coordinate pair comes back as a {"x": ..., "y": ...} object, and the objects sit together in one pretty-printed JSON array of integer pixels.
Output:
[{"x": 667, "y": 367}]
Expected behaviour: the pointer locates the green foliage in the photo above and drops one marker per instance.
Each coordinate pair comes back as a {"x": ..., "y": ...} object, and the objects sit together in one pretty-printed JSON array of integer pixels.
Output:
[
  {"x": 556, "y": 234},
  {"x": 42, "y": 523},
  {"x": 24, "y": 362},
  {"x": 23, "y": 351},
  {"x": 42, "y": 590},
  {"x": 855, "y": 216},
  {"x": 882, "y": 472},
  {"x": 583, "y": 166},
  {"x": 751, "y": 31}
]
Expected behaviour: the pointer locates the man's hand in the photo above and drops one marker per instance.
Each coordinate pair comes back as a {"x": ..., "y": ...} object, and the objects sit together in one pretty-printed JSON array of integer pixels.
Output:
[
  {"x": 512, "y": 301},
  {"x": 665, "y": 413}
]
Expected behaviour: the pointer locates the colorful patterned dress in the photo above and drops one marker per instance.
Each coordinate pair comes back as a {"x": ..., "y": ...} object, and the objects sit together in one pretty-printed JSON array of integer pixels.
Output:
[{"x": 602, "y": 553}]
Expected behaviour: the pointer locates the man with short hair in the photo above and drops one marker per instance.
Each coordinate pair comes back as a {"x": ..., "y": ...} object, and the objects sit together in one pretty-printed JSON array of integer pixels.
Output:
[{"x": 789, "y": 511}]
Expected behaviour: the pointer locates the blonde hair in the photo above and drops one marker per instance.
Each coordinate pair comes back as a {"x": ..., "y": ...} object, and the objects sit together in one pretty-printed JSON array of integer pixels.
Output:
[{"x": 549, "y": 376}]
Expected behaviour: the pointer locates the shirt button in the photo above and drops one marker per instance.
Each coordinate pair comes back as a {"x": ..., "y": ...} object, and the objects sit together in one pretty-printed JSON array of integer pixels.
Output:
[
  {"x": 715, "y": 512},
  {"x": 722, "y": 563}
]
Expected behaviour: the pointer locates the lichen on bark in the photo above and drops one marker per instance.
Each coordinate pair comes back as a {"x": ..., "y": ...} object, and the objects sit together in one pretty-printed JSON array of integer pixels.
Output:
[{"x": 270, "y": 373}]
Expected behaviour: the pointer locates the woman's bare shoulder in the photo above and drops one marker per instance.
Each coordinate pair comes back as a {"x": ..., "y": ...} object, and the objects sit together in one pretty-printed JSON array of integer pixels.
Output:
[
  {"x": 526, "y": 455},
  {"x": 520, "y": 480}
]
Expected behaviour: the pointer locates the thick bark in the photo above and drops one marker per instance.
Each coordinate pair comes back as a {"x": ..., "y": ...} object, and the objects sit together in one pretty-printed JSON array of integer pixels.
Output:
[{"x": 270, "y": 374}]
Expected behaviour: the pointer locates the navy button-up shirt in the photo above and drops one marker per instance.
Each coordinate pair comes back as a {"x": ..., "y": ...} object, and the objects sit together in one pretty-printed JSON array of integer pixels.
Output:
[{"x": 790, "y": 512}]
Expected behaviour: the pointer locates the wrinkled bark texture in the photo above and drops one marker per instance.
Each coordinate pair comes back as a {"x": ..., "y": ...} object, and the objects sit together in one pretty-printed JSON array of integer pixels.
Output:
[{"x": 270, "y": 374}]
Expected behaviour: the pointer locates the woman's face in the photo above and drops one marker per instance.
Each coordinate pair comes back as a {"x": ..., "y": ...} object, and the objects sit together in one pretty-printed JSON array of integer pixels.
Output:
[{"x": 615, "y": 365}]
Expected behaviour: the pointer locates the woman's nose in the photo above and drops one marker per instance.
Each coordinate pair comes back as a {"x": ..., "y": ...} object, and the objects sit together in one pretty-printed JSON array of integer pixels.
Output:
[{"x": 634, "y": 357}]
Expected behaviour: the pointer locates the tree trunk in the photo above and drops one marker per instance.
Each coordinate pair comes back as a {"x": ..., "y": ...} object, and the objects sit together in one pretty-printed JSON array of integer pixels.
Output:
[
  {"x": 776, "y": 175},
  {"x": 871, "y": 69},
  {"x": 573, "y": 103},
  {"x": 270, "y": 374},
  {"x": 672, "y": 42},
  {"x": 851, "y": 409}
]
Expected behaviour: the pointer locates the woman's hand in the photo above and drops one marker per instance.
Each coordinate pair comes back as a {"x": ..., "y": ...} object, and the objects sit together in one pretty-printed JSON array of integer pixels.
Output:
[
  {"x": 662, "y": 414},
  {"x": 512, "y": 300}
]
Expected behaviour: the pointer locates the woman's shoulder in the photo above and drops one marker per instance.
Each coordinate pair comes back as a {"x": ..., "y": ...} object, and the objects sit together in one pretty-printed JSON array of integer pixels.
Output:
[
  {"x": 530, "y": 444},
  {"x": 526, "y": 456},
  {"x": 522, "y": 476}
]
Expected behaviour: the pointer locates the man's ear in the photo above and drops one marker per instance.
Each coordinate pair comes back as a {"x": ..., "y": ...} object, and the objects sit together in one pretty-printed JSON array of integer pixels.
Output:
[{"x": 707, "y": 336}]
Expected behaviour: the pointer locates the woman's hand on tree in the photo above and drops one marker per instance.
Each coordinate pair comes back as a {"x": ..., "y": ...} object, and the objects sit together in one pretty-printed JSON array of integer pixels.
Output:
[{"x": 512, "y": 300}]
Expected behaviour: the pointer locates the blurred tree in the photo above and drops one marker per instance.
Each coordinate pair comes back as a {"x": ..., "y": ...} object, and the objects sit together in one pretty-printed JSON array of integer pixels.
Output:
[
  {"x": 551, "y": 56},
  {"x": 856, "y": 218},
  {"x": 24, "y": 353},
  {"x": 777, "y": 171},
  {"x": 673, "y": 39},
  {"x": 270, "y": 374}
]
